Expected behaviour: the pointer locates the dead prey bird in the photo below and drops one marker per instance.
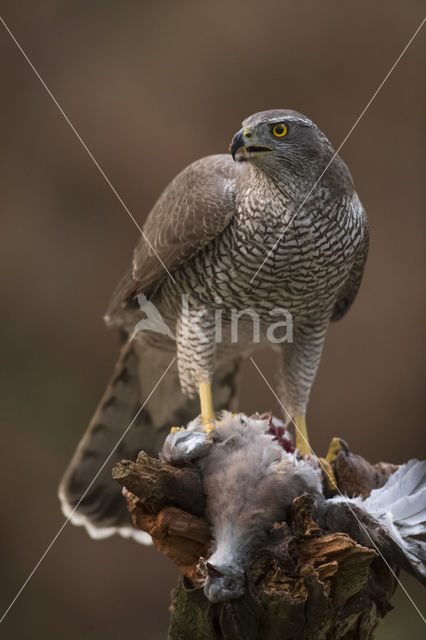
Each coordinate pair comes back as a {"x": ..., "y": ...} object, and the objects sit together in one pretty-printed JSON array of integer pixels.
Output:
[{"x": 251, "y": 476}]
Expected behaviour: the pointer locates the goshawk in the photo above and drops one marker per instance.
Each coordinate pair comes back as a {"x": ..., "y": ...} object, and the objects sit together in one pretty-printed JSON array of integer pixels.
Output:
[{"x": 275, "y": 227}]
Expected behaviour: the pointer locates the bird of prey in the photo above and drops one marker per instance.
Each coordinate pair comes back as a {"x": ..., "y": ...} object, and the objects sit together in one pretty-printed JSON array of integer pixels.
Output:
[
  {"x": 251, "y": 478},
  {"x": 274, "y": 225}
]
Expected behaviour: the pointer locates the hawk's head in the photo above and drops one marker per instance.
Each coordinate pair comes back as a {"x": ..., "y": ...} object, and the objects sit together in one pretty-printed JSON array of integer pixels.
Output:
[{"x": 283, "y": 139}]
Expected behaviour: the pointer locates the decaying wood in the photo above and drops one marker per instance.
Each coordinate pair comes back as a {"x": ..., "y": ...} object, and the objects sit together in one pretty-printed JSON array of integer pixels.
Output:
[
  {"x": 158, "y": 484},
  {"x": 311, "y": 581}
]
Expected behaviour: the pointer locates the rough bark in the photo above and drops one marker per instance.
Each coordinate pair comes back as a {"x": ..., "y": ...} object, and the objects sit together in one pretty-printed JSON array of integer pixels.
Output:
[{"x": 317, "y": 578}]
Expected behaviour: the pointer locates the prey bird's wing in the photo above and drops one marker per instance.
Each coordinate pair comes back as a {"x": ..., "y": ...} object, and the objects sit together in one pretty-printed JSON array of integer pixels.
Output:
[{"x": 193, "y": 209}]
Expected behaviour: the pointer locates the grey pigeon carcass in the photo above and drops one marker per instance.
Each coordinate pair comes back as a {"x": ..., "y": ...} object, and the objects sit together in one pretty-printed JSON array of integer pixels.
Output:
[{"x": 251, "y": 476}]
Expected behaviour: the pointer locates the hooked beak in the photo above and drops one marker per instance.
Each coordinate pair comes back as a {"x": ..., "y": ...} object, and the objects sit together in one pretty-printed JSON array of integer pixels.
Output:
[
  {"x": 238, "y": 142},
  {"x": 244, "y": 147}
]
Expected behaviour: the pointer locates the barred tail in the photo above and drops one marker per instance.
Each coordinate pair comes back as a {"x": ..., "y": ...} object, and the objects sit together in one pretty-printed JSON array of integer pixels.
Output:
[{"x": 89, "y": 496}]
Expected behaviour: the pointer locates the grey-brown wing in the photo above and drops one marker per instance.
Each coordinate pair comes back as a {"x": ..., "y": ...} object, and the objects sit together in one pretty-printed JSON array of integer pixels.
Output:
[
  {"x": 348, "y": 292},
  {"x": 193, "y": 209}
]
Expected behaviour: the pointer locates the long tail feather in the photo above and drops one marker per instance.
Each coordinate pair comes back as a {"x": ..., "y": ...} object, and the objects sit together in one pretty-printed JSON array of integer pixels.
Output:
[{"x": 90, "y": 497}]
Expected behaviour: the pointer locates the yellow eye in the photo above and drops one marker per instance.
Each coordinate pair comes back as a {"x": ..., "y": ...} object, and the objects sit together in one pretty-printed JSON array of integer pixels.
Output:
[{"x": 279, "y": 130}]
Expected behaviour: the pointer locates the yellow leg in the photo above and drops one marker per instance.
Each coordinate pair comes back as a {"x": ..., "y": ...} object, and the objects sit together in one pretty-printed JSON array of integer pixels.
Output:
[
  {"x": 302, "y": 441},
  {"x": 206, "y": 402},
  {"x": 302, "y": 444}
]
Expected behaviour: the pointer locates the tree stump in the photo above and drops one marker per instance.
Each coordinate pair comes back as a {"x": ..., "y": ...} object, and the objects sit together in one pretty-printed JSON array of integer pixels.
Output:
[{"x": 311, "y": 581}]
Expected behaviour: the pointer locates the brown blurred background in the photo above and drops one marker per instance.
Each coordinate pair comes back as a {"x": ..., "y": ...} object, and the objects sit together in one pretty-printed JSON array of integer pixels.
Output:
[{"x": 151, "y": 87}]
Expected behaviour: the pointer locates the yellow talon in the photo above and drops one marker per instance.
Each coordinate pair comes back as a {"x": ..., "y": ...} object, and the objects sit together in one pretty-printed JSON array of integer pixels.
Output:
[
  {"x": 333, "y": 449},
  {"x": 176, "y": 429},
  {"x": 328, "y": 473},
  {"x": 336, "y": 445},
  {"x": 209, "y": 428}
]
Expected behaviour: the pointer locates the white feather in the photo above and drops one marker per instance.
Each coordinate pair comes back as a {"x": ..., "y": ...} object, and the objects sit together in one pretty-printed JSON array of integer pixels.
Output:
[
  {"x": 400, "y": 507},
  {"x": 99, "y": 533}
]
